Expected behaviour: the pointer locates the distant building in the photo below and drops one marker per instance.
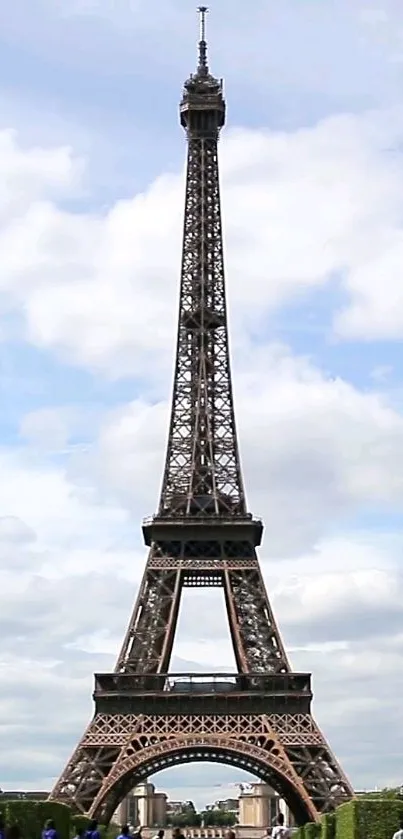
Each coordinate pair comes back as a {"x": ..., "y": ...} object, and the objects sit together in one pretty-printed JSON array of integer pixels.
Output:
[
  {"x": 178, "y": 808},
  {"x": 22, "y": 795},
  {"x": 260, "y": 805},
  {"x": 143, "y": 807},
  {"x": 227, "y": 805}
]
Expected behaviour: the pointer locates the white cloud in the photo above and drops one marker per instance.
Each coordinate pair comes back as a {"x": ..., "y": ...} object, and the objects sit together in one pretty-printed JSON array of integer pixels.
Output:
[
  {"x": 62, "y": 518},
  {"x": 29, "y": 174},
  {"x": 46, "y": 428},
  {"x": 300, "y": 209}
]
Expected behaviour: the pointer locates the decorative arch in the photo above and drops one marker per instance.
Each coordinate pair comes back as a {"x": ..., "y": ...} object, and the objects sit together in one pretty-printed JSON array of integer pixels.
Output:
[{"x": 270, "y": 764}]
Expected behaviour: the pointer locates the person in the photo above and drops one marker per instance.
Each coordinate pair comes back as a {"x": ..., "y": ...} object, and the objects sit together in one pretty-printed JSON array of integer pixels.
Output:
[
  {"x": 124, "y": 832},
  {"x": 399, "y": 833},
  {"x": 159, "y": 835},
  {"x": 2, "y": 826},
  {"x": 137, "y": 833},
  {"x": 92, "y": 831},
  {"x": 49, "y": 831},
  {"x": 280, "y": 831}
]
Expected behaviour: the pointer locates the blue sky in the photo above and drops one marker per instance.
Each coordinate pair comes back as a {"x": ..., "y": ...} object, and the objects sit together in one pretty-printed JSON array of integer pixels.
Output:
[{"x": 91, "y": 196}]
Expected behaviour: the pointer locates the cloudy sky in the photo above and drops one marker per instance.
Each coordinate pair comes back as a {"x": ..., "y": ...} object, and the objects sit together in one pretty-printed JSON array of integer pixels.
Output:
[{"x": 91, "y": 196}]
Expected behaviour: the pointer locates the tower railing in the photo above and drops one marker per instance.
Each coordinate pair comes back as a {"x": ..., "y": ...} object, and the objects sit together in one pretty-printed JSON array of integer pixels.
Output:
[{"x": 199, "y": 683}]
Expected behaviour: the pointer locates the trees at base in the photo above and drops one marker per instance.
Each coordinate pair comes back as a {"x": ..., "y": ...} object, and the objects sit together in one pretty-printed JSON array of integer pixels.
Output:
[
  {"x": 31, "y": 815},
  {"x": 208, "y": 818},
  {"x": 218, "y": 818},
  {"x": 187, "y": 819}
]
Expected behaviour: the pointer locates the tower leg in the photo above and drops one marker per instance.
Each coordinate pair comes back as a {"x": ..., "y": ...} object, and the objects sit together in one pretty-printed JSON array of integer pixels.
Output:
[{"x": 147, "y": 646}]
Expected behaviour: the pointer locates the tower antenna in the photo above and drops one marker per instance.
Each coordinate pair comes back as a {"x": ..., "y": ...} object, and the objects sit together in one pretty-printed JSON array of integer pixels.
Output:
[{"x": 203, "y": 67}]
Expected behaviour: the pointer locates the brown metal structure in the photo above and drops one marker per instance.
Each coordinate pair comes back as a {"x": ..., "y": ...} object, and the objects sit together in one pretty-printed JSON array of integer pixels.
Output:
[{"x": 260, "y": 718}]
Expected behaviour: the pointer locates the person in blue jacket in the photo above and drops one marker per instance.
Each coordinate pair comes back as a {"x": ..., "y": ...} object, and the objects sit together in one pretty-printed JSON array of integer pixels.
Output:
[
  {"x": 92, "y": 831},
  {"x": 49, "y": 831},
  {"x": 124, "y": 832}
]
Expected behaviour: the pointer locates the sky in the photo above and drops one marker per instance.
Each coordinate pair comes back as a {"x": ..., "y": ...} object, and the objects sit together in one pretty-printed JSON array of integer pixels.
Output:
[{"x": 91, "y": 198}]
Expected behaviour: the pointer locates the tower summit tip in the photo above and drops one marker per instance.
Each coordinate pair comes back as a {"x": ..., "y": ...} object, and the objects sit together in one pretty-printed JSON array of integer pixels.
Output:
[
  {"x": 202, "y": 107},
  {"x": 203, "y": 66}
]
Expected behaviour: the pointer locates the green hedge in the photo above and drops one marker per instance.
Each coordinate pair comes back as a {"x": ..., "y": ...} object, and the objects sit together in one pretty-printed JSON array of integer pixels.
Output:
[
  {"x": 32, "y": 815},
  {"x": 312, "y": 830},
  {"x": 361, "y": 818},
  {"x": 378, "y": 819},
  {"x": 346, "y": 827},
  {"x": 79, "y": 821},
  {"x": 328, "y": 826},
  {"x": 368, "y": 818}
]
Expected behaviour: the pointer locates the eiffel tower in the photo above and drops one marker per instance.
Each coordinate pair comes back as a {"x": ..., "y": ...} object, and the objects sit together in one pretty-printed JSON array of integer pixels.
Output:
[{"x": 258, "y": 719}]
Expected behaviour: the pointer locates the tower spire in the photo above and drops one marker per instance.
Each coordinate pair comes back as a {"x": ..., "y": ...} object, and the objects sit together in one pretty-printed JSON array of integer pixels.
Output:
[
  {"x": 202, "y": 475},
  {"x": 202, "y": 66}
]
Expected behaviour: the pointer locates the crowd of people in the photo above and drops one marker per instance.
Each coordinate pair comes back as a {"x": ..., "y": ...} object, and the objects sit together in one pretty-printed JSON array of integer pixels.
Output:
[
  {"x": 13, "y": 831},
  {"x": 49, "y": 831}
]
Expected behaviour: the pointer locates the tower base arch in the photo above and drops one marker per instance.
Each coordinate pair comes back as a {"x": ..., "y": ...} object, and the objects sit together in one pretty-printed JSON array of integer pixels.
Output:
[{"x": 286, "y": 751}]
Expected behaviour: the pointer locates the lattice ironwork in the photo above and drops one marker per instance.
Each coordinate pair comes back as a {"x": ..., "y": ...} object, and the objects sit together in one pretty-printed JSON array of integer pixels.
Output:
[
  {"x": 149, "y": 640},
  {"x": 202, "y": 535},
  {"x": 287, "y": 750},
  {"x": 118, "y": 729},
  {"x": 202, "y": 474}
]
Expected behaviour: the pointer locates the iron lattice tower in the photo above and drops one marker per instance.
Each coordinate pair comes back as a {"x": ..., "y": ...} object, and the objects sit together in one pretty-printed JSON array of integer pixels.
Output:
[{"x": 260, "y": 718}]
